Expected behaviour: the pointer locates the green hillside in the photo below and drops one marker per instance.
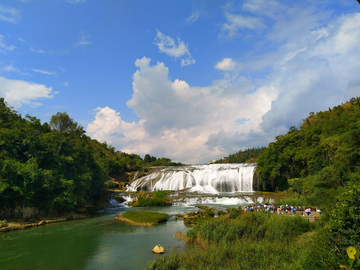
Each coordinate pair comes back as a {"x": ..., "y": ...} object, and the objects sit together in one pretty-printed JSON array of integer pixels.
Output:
[
  {"x": 322, "y": 156},
  {"x": 55, "y": 165}
]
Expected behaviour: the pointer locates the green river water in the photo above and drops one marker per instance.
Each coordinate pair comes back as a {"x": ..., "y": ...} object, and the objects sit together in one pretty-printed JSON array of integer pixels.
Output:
[{"x": 101, "y": 242}]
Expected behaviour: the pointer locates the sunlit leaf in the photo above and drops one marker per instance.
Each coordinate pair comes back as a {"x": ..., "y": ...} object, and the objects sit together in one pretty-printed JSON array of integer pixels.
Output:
[{"x": 351, "y": 251}]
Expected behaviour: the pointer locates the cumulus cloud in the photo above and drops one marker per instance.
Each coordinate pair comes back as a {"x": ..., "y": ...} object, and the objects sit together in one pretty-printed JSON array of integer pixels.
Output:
[
  {"x": 108, "y": 126},
  {"x": 310, "y": 70},
  {"x": 168, "y": 45},
  {"x": 177, "y": 119},
  {"x": 11, "y": 15},
  {"x": 226, "y": 64},
  {"x": 17, "y": 92}
]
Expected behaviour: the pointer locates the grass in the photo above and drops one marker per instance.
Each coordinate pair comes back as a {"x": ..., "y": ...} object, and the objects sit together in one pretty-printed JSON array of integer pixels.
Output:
[
  {"x": 146, "y": 217},
  {"x": 255, "y": 240}
]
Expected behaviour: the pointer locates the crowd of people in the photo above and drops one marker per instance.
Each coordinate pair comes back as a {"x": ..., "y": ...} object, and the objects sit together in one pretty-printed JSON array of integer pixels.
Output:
[{"x": 282, "y": 209}]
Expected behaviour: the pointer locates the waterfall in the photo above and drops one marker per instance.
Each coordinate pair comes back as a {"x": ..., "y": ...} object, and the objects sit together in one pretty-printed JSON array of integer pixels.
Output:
[{"x": 212, "y": 179}]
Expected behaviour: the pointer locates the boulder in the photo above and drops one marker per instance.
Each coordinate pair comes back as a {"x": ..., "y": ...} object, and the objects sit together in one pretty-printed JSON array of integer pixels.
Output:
[{"x": 158, "y": 249}]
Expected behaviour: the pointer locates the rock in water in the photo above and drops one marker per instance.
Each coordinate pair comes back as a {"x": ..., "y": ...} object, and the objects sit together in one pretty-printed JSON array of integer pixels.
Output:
[{"x": 158, "y": 249}]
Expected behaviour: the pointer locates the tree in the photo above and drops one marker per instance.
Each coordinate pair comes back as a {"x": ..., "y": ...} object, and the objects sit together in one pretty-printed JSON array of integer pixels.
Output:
[
  {"x": 63, "y": 123},
  {"x": 147, "y": 158}
]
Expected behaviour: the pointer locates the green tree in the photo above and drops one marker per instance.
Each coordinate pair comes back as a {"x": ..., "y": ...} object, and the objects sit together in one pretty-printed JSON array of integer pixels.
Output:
[{"x": 63, "y": 123}]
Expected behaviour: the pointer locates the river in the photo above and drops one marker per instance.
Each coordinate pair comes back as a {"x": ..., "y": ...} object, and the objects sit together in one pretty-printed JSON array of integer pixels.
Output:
[{"x": 101, "y": 242}]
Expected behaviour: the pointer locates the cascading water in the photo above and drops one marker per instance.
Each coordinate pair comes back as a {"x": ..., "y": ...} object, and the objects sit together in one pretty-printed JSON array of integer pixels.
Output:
[
  {"x": 212, "y": 179},
  {"x": 114, "y": 206}
]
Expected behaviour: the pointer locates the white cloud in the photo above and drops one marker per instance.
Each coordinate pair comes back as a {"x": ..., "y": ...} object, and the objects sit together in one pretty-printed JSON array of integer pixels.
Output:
[
  {"x": 44, "y": 71},
  {"x": 226, "y": 64},
  {"x": 193, "y": 17},
  {"x": 108, "y": 126},
  {"x": 40, "y": 51},
  {"x": 167, "y": 45},
  {"x": 11, "y": 15},
  {"x": 236, "y": 22},
  {"x": 4, "y": 47},
  {"x": 17, "y": 92},
  {"x": 311, "y": 68},
  {"x": 9, "y": 68},
  {"x": 187, "y": 62},
  {"x": 84, "y": 39},
  {"x": 66, "y": 84},
  {"x": 320, "y": 76},
  {"x": 177, "y": 119}
]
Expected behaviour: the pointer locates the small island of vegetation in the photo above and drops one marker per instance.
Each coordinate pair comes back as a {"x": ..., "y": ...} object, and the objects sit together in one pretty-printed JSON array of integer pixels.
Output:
[
  {"x": 156, "y": 198},
  {"x": 143, "y": 218}
]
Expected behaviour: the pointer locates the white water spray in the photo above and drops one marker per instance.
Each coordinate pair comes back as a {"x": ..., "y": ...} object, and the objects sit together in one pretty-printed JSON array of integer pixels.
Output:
[{"x": 212, "y": 179}]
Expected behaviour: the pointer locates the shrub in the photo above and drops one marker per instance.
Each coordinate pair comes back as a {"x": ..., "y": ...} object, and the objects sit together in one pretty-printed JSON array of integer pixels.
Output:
[{"x": 345, "y": 218}]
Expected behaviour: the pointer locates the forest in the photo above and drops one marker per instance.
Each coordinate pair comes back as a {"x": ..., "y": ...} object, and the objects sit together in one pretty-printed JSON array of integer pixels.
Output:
[{"x": 56, "y": 165}]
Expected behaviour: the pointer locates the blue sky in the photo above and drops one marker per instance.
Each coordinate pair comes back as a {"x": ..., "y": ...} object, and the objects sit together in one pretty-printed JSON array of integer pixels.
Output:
[{"x": 188, "y": 80}]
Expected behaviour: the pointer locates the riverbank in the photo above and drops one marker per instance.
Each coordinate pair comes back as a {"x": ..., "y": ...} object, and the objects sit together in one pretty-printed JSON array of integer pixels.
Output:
[{"x": 12, "y": 226}]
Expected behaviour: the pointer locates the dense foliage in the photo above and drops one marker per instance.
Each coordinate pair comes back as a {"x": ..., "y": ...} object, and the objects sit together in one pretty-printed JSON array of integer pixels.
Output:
[
  {"x": 243, "y": 156},
  {"x": 344, "y": 222},
  {"x": 322, "y": 156},
  {"x": 56, "y": 165}
]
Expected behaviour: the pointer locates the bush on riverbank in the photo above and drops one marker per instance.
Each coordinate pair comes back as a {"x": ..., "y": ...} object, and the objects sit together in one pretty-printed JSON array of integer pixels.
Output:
[{"x": 146, "y": 217}]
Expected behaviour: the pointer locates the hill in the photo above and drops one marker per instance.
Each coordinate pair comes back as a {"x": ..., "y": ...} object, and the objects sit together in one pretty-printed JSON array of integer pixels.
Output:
[{"x": 55, "y": 165}]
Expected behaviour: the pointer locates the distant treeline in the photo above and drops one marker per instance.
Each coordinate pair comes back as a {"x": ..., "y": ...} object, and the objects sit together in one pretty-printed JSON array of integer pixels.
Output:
[
  {"x": 243, "y": 156},
  {"x": 55, "y": 165}
]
